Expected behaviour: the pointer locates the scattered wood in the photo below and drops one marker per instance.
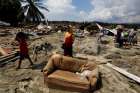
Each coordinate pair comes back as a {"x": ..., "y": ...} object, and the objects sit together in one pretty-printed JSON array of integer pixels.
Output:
[
  {"x": 8, "y": 58},
  {"x": 127, "y": 74}
]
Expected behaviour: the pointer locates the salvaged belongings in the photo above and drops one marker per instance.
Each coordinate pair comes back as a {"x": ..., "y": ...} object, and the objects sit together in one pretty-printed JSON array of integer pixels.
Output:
[{"x": 71, "y": 74}]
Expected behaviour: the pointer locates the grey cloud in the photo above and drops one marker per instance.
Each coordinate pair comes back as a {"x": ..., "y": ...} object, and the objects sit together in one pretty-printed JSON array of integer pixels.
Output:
[
  {"x": 103, "y": 10},
  {"x": 115, "y": 10}
]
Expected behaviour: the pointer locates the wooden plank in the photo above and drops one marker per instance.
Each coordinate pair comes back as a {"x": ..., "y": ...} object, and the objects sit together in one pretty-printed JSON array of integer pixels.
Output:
[
  {"x": 6, "y": 58},
  {"x": 10, "y": 60},
  {"x": 127, "y": 74},
  {"x": 11, "y": 54}
]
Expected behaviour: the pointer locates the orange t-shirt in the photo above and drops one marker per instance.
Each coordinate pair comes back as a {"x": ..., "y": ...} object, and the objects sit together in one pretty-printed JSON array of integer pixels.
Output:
[{"x": 68, "y": 39}]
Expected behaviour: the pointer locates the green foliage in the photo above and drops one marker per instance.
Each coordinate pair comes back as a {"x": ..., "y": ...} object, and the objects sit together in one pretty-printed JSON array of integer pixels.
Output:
[
  {"x": 12, "y": 12},
  {"x": 32, "y": 12},
  {"x": 9, "y": 10}
]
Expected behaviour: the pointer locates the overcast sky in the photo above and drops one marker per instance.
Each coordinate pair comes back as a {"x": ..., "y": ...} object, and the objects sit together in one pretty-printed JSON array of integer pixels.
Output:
[{"x": 93, "y": 10}]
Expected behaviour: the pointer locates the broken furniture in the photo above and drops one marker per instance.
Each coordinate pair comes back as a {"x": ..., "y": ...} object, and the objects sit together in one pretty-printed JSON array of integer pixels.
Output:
[{"x": 60, "y": 73}]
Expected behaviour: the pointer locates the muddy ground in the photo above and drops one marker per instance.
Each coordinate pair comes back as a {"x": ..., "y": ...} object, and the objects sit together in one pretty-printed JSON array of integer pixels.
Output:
[{"x": 30, "y": 80}]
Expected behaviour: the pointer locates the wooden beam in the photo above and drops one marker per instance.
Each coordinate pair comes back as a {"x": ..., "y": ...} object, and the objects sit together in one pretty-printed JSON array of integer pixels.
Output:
[
  {"x": 10, "y": 60},
  {"x": 125, "y": 73},
  {"x": 11, "y": 54}
]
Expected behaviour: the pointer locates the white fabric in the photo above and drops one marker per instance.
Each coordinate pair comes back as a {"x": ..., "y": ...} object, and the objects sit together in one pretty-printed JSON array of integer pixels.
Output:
[{"x": 84, "y": 74}]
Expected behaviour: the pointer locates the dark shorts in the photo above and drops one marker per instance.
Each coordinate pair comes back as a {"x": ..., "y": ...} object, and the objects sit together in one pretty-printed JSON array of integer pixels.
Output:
[
  {"x": 23, "y": 56},
  {"x": 68, "y": 51}
]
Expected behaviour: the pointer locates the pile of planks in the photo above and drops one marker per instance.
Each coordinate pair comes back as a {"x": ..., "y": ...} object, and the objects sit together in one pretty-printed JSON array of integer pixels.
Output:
[{"x": 9, "y": 58}]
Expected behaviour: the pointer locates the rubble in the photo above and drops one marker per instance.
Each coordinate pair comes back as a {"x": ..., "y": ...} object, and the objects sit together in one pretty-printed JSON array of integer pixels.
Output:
[
  {"x": 113, "y": 56},
  {"x": 30, "y": 80}
]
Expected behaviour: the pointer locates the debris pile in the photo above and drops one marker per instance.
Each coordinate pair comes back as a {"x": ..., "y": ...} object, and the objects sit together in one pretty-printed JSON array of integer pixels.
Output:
[{"x": 27, "y": 80}]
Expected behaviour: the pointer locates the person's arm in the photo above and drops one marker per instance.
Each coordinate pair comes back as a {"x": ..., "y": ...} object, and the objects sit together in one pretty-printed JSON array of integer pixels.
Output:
[{"x": 73, "y": 38}]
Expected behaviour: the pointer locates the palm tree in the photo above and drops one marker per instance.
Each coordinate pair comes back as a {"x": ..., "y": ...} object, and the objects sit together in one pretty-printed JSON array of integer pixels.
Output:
[
  {"x": 9, "y": 9},
  {"x": 31, "y": 11}
]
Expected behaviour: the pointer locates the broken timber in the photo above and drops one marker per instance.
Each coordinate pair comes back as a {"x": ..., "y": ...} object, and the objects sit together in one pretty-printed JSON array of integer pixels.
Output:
[
  {"x": 127, "y": 74},
  {"x": 9, "y": 58}
]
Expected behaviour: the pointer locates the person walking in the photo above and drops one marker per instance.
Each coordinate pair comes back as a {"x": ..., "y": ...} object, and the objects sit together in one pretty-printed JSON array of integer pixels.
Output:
[
  {"x": 119, "y": 36},
  {"x": 22, "y": 40},
  {"x": 68, "y": 42}
]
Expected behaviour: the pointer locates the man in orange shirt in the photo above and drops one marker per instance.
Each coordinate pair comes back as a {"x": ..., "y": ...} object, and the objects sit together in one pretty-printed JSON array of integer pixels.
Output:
[
  {"x": 68, "y": 42},
  {"x": 21, "y": 38}
]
